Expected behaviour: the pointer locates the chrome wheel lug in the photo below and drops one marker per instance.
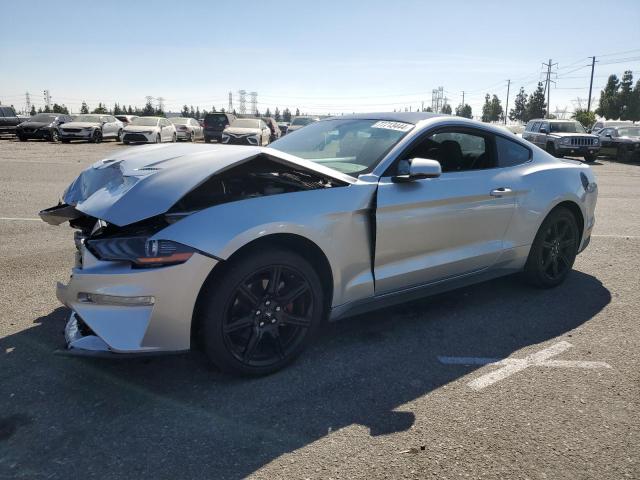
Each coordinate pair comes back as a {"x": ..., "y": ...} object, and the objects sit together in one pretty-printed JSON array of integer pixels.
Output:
[
  {"x": 273, "y": 320},
  {"x": 267, "y": 302},
  {"x": 277, "y": 309},
  {"x": 262, "y": 324},
  {"x": 258, "y": 312}
]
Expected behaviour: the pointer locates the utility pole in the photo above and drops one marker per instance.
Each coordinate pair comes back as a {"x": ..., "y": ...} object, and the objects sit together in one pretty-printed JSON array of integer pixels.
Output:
[
  {"x": 27, "y": 103},
  {"x": 506, "y": 107},
  {"x": 230, "y": 109},
  {"x": 47, "y": 99},
  {"x": 548, "y": 85},
  {"x": 463, "y": 98},
  {"x": 593, "y": 64}
]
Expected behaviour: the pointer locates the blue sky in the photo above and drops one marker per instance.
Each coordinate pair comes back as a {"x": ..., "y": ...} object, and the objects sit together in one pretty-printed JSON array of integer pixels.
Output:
[{"x": 321, "y": 56}]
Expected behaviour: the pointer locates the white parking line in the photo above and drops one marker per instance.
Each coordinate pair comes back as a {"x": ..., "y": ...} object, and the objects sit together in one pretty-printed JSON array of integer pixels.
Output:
[
  {"x": 21, "y": 219},
  {"x": 616, "y": 236},
  {"x": 514, "y": 365}
]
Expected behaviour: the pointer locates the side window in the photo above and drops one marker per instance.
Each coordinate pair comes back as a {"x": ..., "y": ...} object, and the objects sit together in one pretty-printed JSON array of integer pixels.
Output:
[
  {"x": 535, "y": 126},
  {"x": 456, "y": 150},
  {"x": 545, "y": 125},
  {"x": 511, "y": 153}
]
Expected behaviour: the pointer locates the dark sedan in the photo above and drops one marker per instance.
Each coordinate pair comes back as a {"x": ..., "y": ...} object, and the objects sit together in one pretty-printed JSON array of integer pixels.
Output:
[
  {"x": 43, "y": 126},
  {"x": 621, "y": 142}
]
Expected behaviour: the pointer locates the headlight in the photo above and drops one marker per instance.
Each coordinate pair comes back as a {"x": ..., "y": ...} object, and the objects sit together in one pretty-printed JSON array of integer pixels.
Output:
[
  {"x": 564, "y": 141},
  {"x": 596, "y": 141},
  {"x": 140, "y": 251},
  {"x": 87, "y": 128}
]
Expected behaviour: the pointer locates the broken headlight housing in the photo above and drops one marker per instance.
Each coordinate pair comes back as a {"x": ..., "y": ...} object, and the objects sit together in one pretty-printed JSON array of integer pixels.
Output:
[{"x": 140, "y": 251}]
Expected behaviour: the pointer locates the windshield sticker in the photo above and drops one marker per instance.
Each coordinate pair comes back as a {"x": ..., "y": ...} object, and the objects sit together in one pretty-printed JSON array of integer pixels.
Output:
[{"x": 399, "y": 126}]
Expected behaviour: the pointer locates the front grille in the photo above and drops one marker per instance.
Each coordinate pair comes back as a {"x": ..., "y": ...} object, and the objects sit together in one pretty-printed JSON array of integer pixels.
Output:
[
  {"x": 135, "y": 137},
  {"x": 581, "y": 141},
  {"x": 241, "y": 139},
  {"x": 72, "y": 130}
]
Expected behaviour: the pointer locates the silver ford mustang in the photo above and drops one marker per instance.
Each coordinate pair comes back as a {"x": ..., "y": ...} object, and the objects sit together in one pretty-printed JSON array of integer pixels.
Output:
[{"x": 244, "y": 251}]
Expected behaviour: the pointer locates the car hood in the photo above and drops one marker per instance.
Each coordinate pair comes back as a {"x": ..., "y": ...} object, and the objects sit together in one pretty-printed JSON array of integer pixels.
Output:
[
  {"x": 81, "y": 124},
  {"x": 140, "y": 128},
  {"x": 34, "y": 124},
  {"x": 242, "y": 131},
  {"x": 629, "y": 138},
  {"x": 137, "y": 184}
]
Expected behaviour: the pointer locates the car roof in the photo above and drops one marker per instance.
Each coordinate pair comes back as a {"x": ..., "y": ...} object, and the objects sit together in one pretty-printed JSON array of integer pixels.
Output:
[
  {"x": 407, "y": 117},
  {"x": 552, "y": 120}
]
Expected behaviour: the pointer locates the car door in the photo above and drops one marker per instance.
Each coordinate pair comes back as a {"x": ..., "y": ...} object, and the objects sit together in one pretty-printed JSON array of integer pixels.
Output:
[
  {"x": 107, "y": 126},
  {"x": 430, "y": 230},
  {"x": 607, "y": 145}
]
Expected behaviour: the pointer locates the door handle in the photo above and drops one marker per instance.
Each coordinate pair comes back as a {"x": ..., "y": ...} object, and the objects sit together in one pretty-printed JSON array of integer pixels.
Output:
[{"x": 500, "y": 192}]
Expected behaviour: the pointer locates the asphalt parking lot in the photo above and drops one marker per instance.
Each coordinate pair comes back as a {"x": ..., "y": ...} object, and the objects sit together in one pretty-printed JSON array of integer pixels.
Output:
[{"x": 400, "y": 393}]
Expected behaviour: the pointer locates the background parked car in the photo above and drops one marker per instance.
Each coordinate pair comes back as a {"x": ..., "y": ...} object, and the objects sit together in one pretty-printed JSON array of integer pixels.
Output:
[
  {"x": 273, "y": 126},
  {"x": 8, "y": 120},
  {"x": 284, "y": 127},
  {"x": 149, "y": 130},
  {"x": 247, "y": 131},
  {"x": 215, "y": 123},
  {"x": 600, "y": 124},
  {"x": 301, "y": 121},
  {"x": 43, "y": 126},
  {"x": 126, "y": 119},
  {"x": 622, "y": 142},
  {"x": 562, "y": 137},
  {"x": 187, "y": 128},
  {"x": 92, "y": 127}
]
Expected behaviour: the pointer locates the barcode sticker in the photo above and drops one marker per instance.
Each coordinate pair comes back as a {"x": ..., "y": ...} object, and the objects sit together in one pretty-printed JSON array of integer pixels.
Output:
[{"x": 400, "y": 126}]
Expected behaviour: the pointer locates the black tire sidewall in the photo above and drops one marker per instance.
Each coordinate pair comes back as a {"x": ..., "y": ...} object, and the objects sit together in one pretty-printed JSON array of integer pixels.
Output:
[
  {"x": 222, "y": 286},
  {"x": 533, "y": 272}
]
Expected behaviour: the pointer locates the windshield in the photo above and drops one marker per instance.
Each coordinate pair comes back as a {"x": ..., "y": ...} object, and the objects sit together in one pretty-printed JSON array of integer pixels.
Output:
[
  {"x": 43, "y": 117},
  {"x": 567, "y": 127},
  {"x": 218, "y": 121},
  {"x": 302, "y": 121},
  {"x": 629, "y": 132},
  {"x": 349, "y": 146},
  {"x": 245, "y": 123},
  {"x": 87, "y": 118},
  {"x": 145, "y": 121},
  {"x": 179, "y": 120}
]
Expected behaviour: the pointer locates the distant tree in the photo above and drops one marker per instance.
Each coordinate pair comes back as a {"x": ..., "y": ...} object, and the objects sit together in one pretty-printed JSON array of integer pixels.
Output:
[
  {"x": 609, "y": 107},
  {"x": 257, "y": 113},
  {"x": 587, "y": 119},
  {"x": 446, "y": 109},
  {"x": 234, "y": 112},
  {"x": 519, "y": 110},
  {"x": 60, "y": 109},
  {"x": 192, "y": 112},
  {"x": 429, "y": 109},
  {"x": 33, "y": 110},
  {"x": 100, "y": 108},
  {"x": 46, "y": 109},
  {"x": 276, "y": 115},
  {"x": 185, "y": 111},
  {"x": 148, "y": 109},
  {"x": 84, "y": 108},
  {"x": 116, "y": 109},
  {"x": 222, "y": 110},
  {"x": 129, "y": 110},
  {"x": 286, "y": 115},
  {"x": 635, "y": 104},
  {"x": 213, "y": 109},
  {"x": 197, "y": 113},
  {"x": 297, "y": 112},
  {"x": 267, "y": 113},
  {"x": 40, "y": 110},
  {"x": 464, "y": 111},
  {"x": 536, "y": 104},
  {"x": 625, "y": 96}
]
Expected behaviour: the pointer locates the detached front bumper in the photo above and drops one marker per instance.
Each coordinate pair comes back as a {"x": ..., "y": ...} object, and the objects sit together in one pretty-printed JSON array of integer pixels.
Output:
[{"x": 119, "y": 309}]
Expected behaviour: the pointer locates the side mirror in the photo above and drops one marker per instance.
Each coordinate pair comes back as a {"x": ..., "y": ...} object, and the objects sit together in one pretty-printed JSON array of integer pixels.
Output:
[
  {"x": 543, "y": 130},
  {"x": 608, "y": 135},
  {"x": 417, "y": 169}
]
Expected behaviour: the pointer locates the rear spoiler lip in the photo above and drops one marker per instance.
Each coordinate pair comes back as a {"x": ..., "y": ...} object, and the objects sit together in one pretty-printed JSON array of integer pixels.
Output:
[{"x": 59, "y": 214}]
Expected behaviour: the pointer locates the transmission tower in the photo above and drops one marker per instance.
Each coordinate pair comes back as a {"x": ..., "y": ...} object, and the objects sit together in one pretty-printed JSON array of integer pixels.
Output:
[
  {"x": 254, "y": 102},
  {"x": 437, "y": 99},
  {"x": 230, "y": 109},
  {"x": 27, "y": 103},
  {"x": 160, "y": 101},
  {"x": 47, "y": 99},
  {"x": 243, "y": 101}
]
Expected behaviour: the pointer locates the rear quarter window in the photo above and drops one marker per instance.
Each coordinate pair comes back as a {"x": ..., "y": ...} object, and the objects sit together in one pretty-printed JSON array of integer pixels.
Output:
[{"x": 511, "y": 153}]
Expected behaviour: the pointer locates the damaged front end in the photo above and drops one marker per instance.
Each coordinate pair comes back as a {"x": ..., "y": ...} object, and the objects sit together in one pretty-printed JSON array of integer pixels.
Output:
[{"x": 131, "y": 291}]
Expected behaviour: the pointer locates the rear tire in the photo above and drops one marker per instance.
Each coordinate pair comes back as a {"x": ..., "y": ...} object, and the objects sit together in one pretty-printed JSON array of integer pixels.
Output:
[
  {"x": 119, "y": 136},
  {"x": 207, "y": 140},
  {"x": 22, "y": 138},
  {"x": 174, "y": 139},
  {"x": 260, "y": 312},
  {"x": 590, "y": 158},
  {"x": 158, "y": 139},
  {"x": 554, "y": 250}
]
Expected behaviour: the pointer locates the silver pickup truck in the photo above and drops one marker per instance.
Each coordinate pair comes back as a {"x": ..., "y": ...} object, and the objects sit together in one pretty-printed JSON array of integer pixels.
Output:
[
  {"x": 562, "y": 137},
  {"x": 8, "y": 120}
]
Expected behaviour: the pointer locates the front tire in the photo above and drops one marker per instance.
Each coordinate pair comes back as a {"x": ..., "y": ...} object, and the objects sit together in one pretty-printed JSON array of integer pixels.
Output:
[
  {"x": 554, "y": 250},
  {"x": 119, "y": 136},
  {"x": 622, "y": 154},
  {"x": 589, "y": 158},
  {"x": 96, "y": 137},
  {"x": 174, "y": 139},
  {"x": 55, "y": 136},
  {"x": 551, "y": 149},
  {"x": 158, "y": 139},
  {"x": 260, "y": 312}
]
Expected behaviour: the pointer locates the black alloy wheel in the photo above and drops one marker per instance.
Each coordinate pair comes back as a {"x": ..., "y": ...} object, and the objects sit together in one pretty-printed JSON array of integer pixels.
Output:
[
  {"x": 119, "y": 136},
  {"x": 96, "y": 137},
  {"x": 554, "y": 249},
  {"x": 622, "y": 154},
  {"x": 55, "y": 136},
  {"x": 262, "y": 313}
]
